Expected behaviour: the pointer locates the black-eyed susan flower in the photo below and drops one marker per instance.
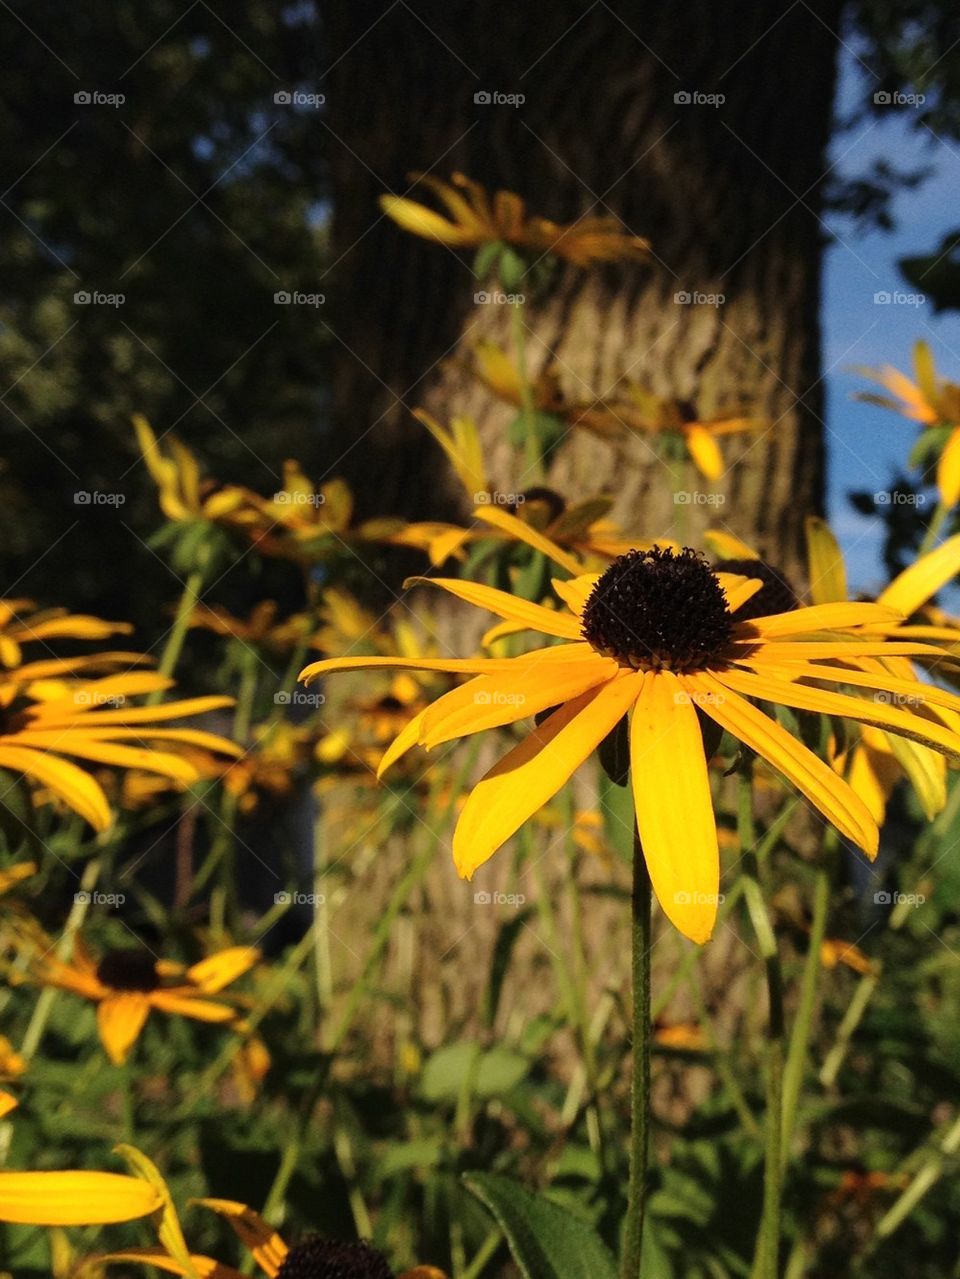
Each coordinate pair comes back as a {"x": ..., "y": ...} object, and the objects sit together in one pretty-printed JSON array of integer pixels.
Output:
[
  {"x": 126, "y": 985},
  {"x": 183, "y": 494},
  {"x": 475, "y": 218},
  {"x": 655, "y": 638},
  {"x": 872, "y": 760},
  {"x": 21, "y": 622},
  {"x": 95, "y": 721},
  {"x": 312, "y": 1257},
  {"x": 71, "y": 1198},
  {"x": 932, "y": 402}
]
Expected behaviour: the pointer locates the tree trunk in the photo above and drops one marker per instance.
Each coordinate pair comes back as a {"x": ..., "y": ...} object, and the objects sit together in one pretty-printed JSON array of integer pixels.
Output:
[{"x": 728, "y": 196}]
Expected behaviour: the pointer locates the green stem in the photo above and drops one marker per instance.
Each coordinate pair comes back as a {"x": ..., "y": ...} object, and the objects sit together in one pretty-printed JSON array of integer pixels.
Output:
[
  {"x": 798, "y": 1050},
  {"x": 178, "y": 632},
  {"x": 640, "y": 1069},
  {"x": 931, "y": 1171},
  {"x": 528, "y": 416},
  {"x": 766, "y": 1258}
]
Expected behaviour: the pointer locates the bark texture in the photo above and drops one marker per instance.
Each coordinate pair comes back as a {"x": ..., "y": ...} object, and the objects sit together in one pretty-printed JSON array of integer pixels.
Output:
[{"x": 727, "y": 194}]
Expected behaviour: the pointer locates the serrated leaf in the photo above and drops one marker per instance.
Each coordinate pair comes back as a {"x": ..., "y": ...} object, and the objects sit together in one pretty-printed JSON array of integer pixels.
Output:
[{"x": 545, "y": 1240}]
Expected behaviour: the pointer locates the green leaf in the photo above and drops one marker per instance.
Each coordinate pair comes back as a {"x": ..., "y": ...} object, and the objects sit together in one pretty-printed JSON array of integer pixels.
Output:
[
  {"x": 545, "y": 1240},
  {"x": 489, "y": 1074}
]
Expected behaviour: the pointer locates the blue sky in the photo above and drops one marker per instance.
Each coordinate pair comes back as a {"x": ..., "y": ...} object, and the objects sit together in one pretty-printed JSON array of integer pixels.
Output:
[{"x": 866, "y": 445}]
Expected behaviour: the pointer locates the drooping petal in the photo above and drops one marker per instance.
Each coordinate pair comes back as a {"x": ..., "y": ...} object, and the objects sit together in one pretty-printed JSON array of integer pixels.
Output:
[
  {"x": 74, "y": 1198},
  {"x": 863, "y": 710},
  {"x": 447, "y": 665},
  {"x": 77, "y": 789},
  {"x": 674, "y": 807},
  {"x": 203, "y": 1267},
  {"x": 705, "y": 451},
  {"x": 257, "y": 1235},
  {"x": 524, "y": 532},
  {"x": 120, "y": 1019},
  {"x": 405, "y": 740},
  {"x": 490, "y": 701},
  {"x": 812, "y": 777},
  {"x": 534, "y": 770},
  {"x": 948, "y": 470}
]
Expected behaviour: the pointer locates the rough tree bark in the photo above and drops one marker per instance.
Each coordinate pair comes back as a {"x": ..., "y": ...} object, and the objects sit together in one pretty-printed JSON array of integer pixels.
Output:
[{"x": 728, "y": 196}]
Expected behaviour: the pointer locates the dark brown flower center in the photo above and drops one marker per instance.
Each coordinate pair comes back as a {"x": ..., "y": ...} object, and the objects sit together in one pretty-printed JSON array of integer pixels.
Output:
[
  {"x": 128, "y": 970},
  {"x": 776, "y": 595},
  {"x": 658, "y": 609},
  {"x": 316, "y": 1258}
]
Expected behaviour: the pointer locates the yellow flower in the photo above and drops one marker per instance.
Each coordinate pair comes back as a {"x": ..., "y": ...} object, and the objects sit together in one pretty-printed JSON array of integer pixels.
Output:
[
  {"x": 91, "y": 721},
  {"x": 311, "y": 1256},
  {"x": 260, "y": 627},
  {"x": 183, "y": 495},
  {"x": 71, "y": 1198},
  {"x": 932, "y": 403},
  {"x": 475, "y": 218},
  {"x": 655, "y": 637},
  {"x": 20, "y": 623},
  {"x": 127, "y": 984},
  {"x": 12, "y": 1064}
]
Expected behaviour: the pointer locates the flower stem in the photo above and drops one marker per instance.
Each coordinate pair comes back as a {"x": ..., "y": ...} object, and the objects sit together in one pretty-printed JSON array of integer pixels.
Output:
[
  {"x": 528, "y": 416},
  {"x": 178, "y": 632},
  {"x": 640, "y": 1070},
  {"x": 766, "y": 1258}
]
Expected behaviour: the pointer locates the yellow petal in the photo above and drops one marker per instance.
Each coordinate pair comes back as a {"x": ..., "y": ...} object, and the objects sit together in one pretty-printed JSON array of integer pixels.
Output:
[
  {"x": 219, "y": 970},
  {"x": 200, "y": 1266},
  {"x": 178, "y": 1004},
  {"x": 524, "y": 532},
  {"x": 120, "y": 1019},
  {"x": 948, "y": 470},
  {"x": 705, "y": 451},
  {"x": 490, "y": 701},
  {"x": 737, "y": 589},
  {"x": 575, "y": 593},
  {"x": 511, "y": 607},
  {"x": 671, "y": 793},
  {"x": 77, "y": 789},
  {"x": 253, "y": 1231},
  {"x": 812, "y": 777},
  {"x": 7, "y": 1103},
  {"x": 727, "y": 547},
  {"x": 406, "y": 739},
  {"x": 828, "y": 573},
  {"x": 534, "y": 770},
  {"x": 820, "y": 617},
  {"x": 168, "y": 1224},
  {"x": 449, "y": 665},
  {"x": 420, "y": 220},
  {"x": 74, "y": 1198},
  {"x": 918, "y": 583}
]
